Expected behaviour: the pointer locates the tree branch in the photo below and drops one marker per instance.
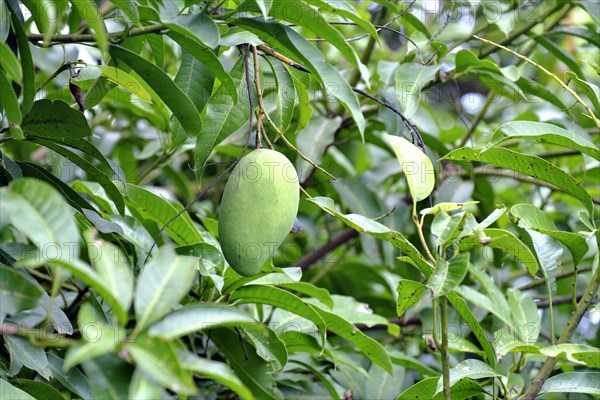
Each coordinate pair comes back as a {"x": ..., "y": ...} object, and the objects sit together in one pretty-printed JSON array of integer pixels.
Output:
[{"x": 309, "y": 259}]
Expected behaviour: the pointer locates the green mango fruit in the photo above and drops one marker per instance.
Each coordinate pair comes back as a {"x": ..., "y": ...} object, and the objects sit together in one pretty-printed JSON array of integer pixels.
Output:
[{"x": 258, "y": 209}]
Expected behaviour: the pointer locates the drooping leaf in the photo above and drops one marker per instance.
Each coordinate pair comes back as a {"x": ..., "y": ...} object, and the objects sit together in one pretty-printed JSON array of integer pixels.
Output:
[
  {"x": 285, "y": 95},
  {"x": 559, "y": 53},
  {"x": 198, "y": 317},
  {"x": 143, "y": 386},
  {"x": 267, "y": 344},
  {"x": 55, "y": 119},
  {"x": 17, "y": 22},
  {"x": 377, "y": 230},
  {"x": 124, "y": 80},
  {"x": 313, "y": 140},
  {"x": 178, "y": 102},
  {"x": 525, "y": 314},
  {"x": 448, "y": 274},
  {"x": 72, "y": 379},
  {"x": 545, "y": 133},
  {"x": 573, "y": 382},
  {"x": 293, "y": 45},
  {"x": 417, "y": 167},
  {"x": 29, "y": 355},
  {"x": 528, "y": 165},
  {"x": 8, "y": 101},
  {"x": 589, "y": 89},
  {"x": 200, "y": 27},
  {"x": 158, "y": 359},
  {"x": 410, "y": 80},
  {"x": 165, "y": 279},
  {"x": 109, "y": 377},
  {"x": 16, "y": 292},
  {"x": 252, "y": 370},
  {"x": 88, "y": 10}
]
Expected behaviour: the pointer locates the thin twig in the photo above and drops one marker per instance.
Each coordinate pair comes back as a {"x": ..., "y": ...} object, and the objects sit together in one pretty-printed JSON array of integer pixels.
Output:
[
  {"x": 311, "y": 258},
  {"x": 443, "y": 27},
  {"x": 114, "y": 37}
]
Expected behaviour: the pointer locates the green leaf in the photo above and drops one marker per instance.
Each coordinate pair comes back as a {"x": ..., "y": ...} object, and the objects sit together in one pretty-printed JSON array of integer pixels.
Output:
[
  {"x": 198, "y": 317},
  {"x": 559, "y": 53},
  {"x": 40, "y": 390},
  {"x": 129, "y": 8},
  {"x": 9, "y": 63},
  {"x": 525, "y": 315},
  {"x": 144, "y": 387},
  {"x": 577, "y": 353},
  {"x": 268, "y": 346},
  {"x": 312, "y": 140},
  {"x": 209, "y": 60},
  {"x": 533, "y": 88},
  {"x": 410, "y": 80},
  {"x": 346, "y": 330},
  {"x": 293, "y": 45},
  {"x": 88, "y": 10},
  {"x": 158, "y": 358},
  {"x": 160, "y": 210},
  {"x": 448, "y": 275},
  {"x": 195, "y": 80},
  {"x": 216, "y": 371},
  {"x": 109, "y": 377},
  {"x": 413, "y": 364},
  {"x": 112, "y": 267},
  {"x": 36, "y": 210},
  {"x": 124, "y": 80},
  {"x": 533, "y": 218},
  {"x": 589, "y": 89},
  {"x": 72, "y": 379},
  {"x": 377, "y": 230},
  {"x": 198, "y": 27},
  {"x": 528, "y": 165},
  {"x": 162, "y": 283},
  {"x": 55, "y": 119},
  {"x": 467, "y": 315},
  {"x": 223, "y": 117},
  {"x": 16, "y": 292},
  {"x": 417, "y": 167},
  {"x": 285, "y": 95},
  {"x": 545, "y": 133},
  {"x": 8, "y": 101},
  {"x": 8, "y": 391},
  {"x": 28, "y": 88},
  {"x": 325, "y": 379},
  {"x": 446, "y": 207},
  {"x": 472, "y": 369},
  {"x": 91, "y": 170},
  {"x": 573, "y": 382},
  {"x": 409, "y": 293},
  {"x": 425, "y": 389},
  {"x": 29, "y": 355},
  {"x": 251, "y": 369},
  {"x": 178, "y": 102},
  {"x": 279, "y": 298},
  {"x": 44, "y": 13}
]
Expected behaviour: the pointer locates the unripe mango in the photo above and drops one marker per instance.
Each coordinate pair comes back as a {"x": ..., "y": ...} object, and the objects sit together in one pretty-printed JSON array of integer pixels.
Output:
[{"x": 257, "y": 210}]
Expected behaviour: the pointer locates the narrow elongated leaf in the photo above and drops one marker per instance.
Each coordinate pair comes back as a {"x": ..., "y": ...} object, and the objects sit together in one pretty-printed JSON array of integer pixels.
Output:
[
  {"x": 88, "y": 10},
  {"x": 312, "y": 141},
  {"x": 409, "y": 293},
  {"x": 93, "y": 279},
  {"x": 158, "y": 359},
  {"x": 214, "y": 370},
  {"x": 208, "y": 59},
  {"x": 448, "y": 275},
  {"x": 144, "y": 387},
  {"x": 124, "y": 80},
  {"x": 410, "y": 80},
  {"x": 195, "y": 80},
  {"x": 426, "y": 389},
  {"x": 178, "y": 102},
  {"x": 573, "y": 382},
  {"x": 92, "y": 172},
  {"x": 40, "y": 390},
  {"x": 417, "y": 167},
  {"x": 129, "y": 8},
  {"x": 10, "y": 64},
  {"x": 543, "y": 132},
  {"x": 160, "y": 210},
  {"x": 198, "y": 317},
  {"x": 285, "y": 95},
  {"x": 72, "y": 379},
  {"x": 55, "y": 119},
  {"x": 16, "y": 292},
  {"x": 163, "y": 282},
  {"x": 501, "y": 306},
  {"x": 8, "y": 391},
  {"x": 223, "y": 117},
  {"x": 467, "y": 315},
  {"x": 109, "y": 377},
  {"x": 8, "y": 101},
  {"x": 28, "y": 91},
  {"x": 325, "y": 379},
  {"x": 199, "y": 27},
  {"x": 113, "y": 268},
  {"x": 251, "y": 369},
  {"x": 282, "y": 299},
  {"x": 268, "y": 346},
  {"x": 293, "y": 45},
  {"x": 577, "y": 353},
  {"x": 533, "y": 88},
  {"x": 35, "y": 209},
  {"x": 528, "y": 165},
  {"x": 560, "y": 53},
  {"x": 589, "y": 89},
  {"x": 472, "y": 369},
  {"x": 535, "y": 219},
  {"x": 525, "y": 314},
  {"x": 29, "y": 355},
  {"x": 377, "y": 230}
]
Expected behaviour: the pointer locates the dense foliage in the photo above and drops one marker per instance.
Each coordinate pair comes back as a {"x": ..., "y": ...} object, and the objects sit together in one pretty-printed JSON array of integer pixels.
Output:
[{"x": 448, "y": 155}]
